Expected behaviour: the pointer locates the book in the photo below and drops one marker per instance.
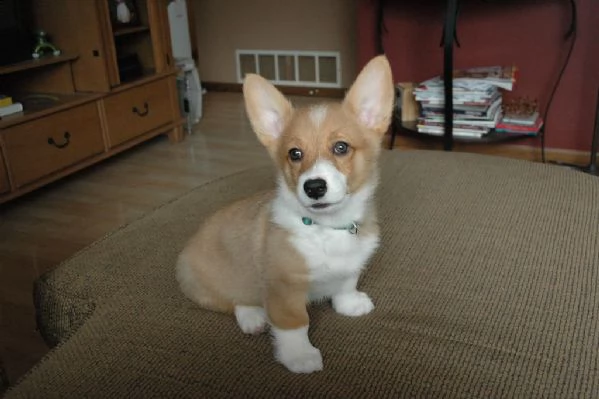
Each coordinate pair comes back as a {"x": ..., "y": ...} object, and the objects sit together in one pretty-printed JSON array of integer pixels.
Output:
[
  {"x": 5, "y": 101},
  {"x": 521, "y": 111},
  {"x": 488, "y": 112},
  {"x": 461, "y": 100},
  {"x": 456, "y": 132},
  {"x": 463, "y": 120},
  {"x": 507, "y": 127},
  {"x": 477, "y": 101},
  {"x": 11, "y": 109},
  {"x": 473, "y": 80},
  {"x": 456, "y": 127},
  {"x": 500, "y": 76},
  {"x": 521, "y": 119}
]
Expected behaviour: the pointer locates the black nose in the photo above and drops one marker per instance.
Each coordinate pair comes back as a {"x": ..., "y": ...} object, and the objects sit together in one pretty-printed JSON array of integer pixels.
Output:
[{"x": 315, "y": 188}]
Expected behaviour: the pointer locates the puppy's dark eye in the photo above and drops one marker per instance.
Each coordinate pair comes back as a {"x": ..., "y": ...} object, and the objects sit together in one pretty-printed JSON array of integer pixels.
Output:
[
  {"x": 295, "y": 154},
  {"x": 340, "y": 148}
]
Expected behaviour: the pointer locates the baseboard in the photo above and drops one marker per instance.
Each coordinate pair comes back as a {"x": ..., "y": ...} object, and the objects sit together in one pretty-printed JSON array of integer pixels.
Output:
[
  {"x": 287, "y": 90},
  {"x": 529, "y": 152}
]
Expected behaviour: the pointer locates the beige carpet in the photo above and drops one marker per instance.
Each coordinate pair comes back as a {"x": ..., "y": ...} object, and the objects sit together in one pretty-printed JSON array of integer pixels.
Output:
[{"x": 486, "y": 286}]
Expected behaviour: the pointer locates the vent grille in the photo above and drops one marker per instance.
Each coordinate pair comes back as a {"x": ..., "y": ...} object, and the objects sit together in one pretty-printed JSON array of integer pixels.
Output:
[{"x": 291, "y": 68}]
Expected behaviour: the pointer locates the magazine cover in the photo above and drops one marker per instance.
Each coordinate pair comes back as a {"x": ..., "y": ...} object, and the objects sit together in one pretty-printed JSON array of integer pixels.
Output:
[
  {"x": 503, "y": 77},
  {"x": 473, "y": 81}
]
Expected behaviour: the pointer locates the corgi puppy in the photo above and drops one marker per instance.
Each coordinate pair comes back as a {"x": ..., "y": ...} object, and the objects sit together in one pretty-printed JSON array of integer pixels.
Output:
[{"x": 266, "y": 257}]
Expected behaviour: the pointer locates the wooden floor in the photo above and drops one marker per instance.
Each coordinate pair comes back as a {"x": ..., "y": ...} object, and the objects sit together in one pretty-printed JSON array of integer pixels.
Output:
[{"x": 42, "y": 229}]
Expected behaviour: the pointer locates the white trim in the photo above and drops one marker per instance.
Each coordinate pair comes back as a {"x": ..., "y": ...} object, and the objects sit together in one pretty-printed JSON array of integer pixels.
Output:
[{"x": 295, "y": 54}]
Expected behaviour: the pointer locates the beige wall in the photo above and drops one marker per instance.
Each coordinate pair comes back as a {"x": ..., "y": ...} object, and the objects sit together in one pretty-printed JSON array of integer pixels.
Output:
[{"x": 223, "y": 26}]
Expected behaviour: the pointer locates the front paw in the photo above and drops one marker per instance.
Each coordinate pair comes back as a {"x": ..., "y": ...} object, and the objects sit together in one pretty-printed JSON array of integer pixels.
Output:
[
  {"x": 301, "y": 360},
  {"x": 353, "y": 304},
  {"x": 251, "y": 319}
]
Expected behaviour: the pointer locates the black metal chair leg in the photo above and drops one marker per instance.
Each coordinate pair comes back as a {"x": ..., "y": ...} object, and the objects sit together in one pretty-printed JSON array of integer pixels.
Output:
[{"x": 448, "y": 36}]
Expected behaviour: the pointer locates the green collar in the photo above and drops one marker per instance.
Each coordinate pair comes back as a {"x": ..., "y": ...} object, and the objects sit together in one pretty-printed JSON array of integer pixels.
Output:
[{"x": 352, "y": 228}]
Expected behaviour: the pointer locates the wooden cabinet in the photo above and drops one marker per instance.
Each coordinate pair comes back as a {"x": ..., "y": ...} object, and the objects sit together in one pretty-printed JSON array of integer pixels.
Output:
[
  {"x": 107, "y": 48},
  {"x": 112, "y": 87}
]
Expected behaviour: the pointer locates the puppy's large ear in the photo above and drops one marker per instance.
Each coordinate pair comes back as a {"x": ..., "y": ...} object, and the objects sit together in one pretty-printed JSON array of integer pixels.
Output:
[
  {"x": 269, "y": 111},
  {"x": 371, "y": 97}
]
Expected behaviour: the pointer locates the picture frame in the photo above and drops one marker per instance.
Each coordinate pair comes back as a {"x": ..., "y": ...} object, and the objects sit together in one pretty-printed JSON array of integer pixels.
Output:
[{"x": 123, "y": 13}]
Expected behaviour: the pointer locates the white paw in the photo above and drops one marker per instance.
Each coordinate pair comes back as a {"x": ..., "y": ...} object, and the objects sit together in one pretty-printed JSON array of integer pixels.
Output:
[
  {"x": 353, "y": 304},
  {"x": 294, "y": 350},
  {"x": 301, "y": 360},
  {"x": 251, "y": 319}
]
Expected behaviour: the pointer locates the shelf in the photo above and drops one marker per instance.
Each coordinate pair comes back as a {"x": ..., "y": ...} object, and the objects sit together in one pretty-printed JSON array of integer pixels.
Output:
[
  {"x": 36, "y": 105},
  {"x": 33, "y": 63},
  {"x": 119, "y": 32},
  {"x": 148, "y": 76},
  {"x": 410, "y": 129}
]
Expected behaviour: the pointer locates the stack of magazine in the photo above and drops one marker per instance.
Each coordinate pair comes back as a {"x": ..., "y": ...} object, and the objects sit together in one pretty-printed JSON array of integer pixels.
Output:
[
  {"x": 477, "y": 101},
  {"x": 520, "y": 116}
]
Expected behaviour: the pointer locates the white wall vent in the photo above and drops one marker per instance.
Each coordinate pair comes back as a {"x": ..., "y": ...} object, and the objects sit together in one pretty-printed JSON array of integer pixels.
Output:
[{"x": 291, "y": 68}]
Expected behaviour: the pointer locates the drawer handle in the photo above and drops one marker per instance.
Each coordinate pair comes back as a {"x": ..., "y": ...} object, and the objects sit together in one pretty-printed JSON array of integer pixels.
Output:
[
  {"x": 144, "y": 112},
  {"x": 67, "y": 141}
]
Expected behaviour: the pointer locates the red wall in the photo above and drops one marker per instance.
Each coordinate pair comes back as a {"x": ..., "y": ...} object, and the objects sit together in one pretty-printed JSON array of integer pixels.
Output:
[{"x": 526, "y": 33}]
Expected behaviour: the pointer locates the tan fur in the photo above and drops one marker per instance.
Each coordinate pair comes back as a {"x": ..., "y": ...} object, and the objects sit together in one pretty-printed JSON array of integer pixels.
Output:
[
  {"x": 231, "y": 257},
  {"x": 239, "y": 256},
  {"x": 358, "y": 164}
]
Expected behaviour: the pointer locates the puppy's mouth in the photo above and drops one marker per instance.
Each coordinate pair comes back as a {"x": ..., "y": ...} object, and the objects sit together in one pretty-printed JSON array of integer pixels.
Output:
[
  {"x": 324, "y": 206},
  {"x": 320, "y": 205}
]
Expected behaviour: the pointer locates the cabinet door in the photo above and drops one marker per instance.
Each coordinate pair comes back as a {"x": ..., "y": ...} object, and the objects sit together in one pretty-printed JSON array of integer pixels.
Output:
[
  {"x": 139, "y": 37},
  {"x": 161, "y": 34},
  {"x": 76, "y": 27}
]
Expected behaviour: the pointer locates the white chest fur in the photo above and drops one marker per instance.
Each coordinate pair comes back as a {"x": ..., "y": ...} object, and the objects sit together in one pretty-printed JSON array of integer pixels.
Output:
[{"x": 332, "y": 256}]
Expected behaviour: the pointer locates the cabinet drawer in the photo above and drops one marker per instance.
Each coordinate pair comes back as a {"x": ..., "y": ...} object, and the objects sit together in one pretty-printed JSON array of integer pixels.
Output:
[
  {"x": 4, "y": 184},
  {"x": 38, "y": 148},
  {"x": 137, "y": 111}
]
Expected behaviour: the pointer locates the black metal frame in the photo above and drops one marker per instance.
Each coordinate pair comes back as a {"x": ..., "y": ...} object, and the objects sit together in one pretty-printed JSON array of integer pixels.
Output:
[
  {"x": 592, "y": 168},
  {"x": 449, "y": 32},
  {"x": 447, "y": 41}
]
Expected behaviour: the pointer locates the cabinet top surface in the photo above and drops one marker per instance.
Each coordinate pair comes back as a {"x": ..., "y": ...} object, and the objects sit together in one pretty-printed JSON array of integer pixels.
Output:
[{"x": 33, "y": 63}]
